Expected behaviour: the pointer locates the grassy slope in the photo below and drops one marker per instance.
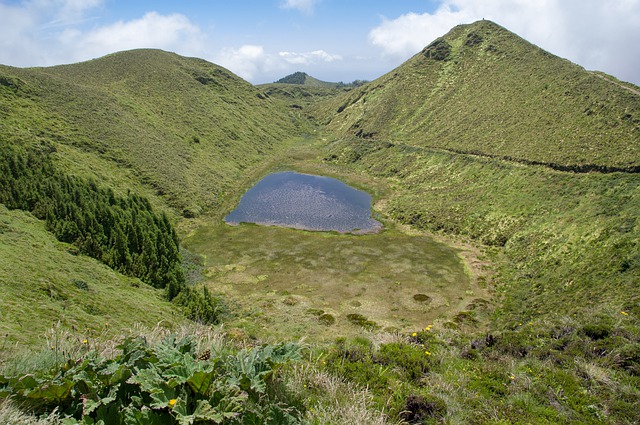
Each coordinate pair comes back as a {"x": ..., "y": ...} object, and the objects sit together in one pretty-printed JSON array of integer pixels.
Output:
[
  {"x": 297, "y": 97},
  {"x": 570, "y": 240},
  {"x": 496, "y": 94},
  {"x": 183, "y": 126},
  {"x": 42, "y": 283}
]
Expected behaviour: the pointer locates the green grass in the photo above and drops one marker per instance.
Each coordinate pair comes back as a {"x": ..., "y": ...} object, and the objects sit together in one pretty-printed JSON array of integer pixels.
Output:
[{"x": 569, "y": 240}]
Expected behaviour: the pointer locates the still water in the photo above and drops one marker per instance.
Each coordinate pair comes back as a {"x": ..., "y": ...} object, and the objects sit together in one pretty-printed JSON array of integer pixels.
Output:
[{"x": 304, "y": 201}]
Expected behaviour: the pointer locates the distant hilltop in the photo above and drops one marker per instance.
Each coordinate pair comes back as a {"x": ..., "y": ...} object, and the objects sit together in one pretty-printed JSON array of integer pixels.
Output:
[{"x": 302, "y": 78}]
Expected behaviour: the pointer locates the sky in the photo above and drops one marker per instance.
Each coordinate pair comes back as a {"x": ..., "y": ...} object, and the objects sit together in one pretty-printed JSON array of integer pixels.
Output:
[{"x": 332, "y": 40}]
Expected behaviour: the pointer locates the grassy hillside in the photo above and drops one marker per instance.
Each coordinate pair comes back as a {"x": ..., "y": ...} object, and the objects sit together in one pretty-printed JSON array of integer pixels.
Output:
[
  {"x": 571, "y": 240},
  {"x": 481, "y": 89},
  {"x": 300, "y": 90},
  {"x": 44, "y": 282},
  {"x": 478, "y": 132},
  {"x": 183, "y": 126}
]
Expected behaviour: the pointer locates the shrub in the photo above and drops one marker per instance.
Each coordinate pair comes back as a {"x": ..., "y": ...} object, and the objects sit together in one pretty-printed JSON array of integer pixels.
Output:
[
  {"x": 411, "y": 361},
  {"x": 360, "y": 320},
  {"x": 422, "y": 298},
  {"x": 201, "y": 306},
  {"x": 418, "y": 409},
  {"x": 327, "y": 319}
]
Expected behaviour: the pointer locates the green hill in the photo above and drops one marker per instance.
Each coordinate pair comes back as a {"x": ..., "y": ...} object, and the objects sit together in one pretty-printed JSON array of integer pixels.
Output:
[
  {"x": 487, "y": 136},
  {"x": 182, "y": 126},
  {"x": 304, "y": 79},
  {"x": 299, "y": 90},
  {"x": 481, "y": 89}
]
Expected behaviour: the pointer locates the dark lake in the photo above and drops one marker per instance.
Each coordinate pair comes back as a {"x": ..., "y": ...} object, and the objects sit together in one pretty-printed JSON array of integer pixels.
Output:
[{"x": 304, "y": 201}]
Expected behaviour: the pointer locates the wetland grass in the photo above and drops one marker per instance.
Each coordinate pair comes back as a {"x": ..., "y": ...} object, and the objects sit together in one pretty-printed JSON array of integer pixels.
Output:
[{"x": 298, "y": 284}]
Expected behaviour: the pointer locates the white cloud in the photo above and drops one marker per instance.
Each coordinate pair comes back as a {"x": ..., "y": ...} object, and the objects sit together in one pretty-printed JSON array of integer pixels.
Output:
[
  {"x": 168, "y": 32},
  {"x": 308, "y": 58},
  {"x": 248, "y": 61},
  {"x": 596, "y": 34},
  {"x": 304, "y": 6},
  {"x": 409, "y": 33},
  {"x": 48, "y": 32}
]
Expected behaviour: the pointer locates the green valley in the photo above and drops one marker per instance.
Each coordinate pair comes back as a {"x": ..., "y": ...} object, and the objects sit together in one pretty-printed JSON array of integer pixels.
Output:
[{"x": 504, "y": 287}]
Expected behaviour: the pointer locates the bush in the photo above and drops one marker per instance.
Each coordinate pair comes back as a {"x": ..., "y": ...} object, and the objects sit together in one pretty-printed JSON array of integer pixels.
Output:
[
  {"x": 201, "y": 306},
  {"x": 418, "y": 409},
  {"x": 411, "y": 361},
  {"x": 327, "y": 319},
  {"x": 389, "y": 372},
  {"x": 360, "y": 320}
]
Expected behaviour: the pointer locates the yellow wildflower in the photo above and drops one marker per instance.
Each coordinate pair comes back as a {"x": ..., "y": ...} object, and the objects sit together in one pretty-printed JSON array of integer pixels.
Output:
[
  {"x": 84, "y": 341},
  {"x": 414, "y": 334},
  {"x": 624, "y": 313},
  {"x": 428, "y": 353},
  {"x": 172, "y": 402}
]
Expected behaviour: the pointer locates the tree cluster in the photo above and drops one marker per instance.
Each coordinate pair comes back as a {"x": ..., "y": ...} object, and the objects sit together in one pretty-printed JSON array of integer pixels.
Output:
[{"x": 121, "y": 231}]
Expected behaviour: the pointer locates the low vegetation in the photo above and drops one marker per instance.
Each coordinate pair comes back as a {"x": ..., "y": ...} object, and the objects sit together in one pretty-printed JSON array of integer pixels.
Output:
[
  {"x": 564, "y": 336},
  {"x": 291, "y": 283},
  {"x": 45, "y": 284},
  {"x": 166, "y": 383}
]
